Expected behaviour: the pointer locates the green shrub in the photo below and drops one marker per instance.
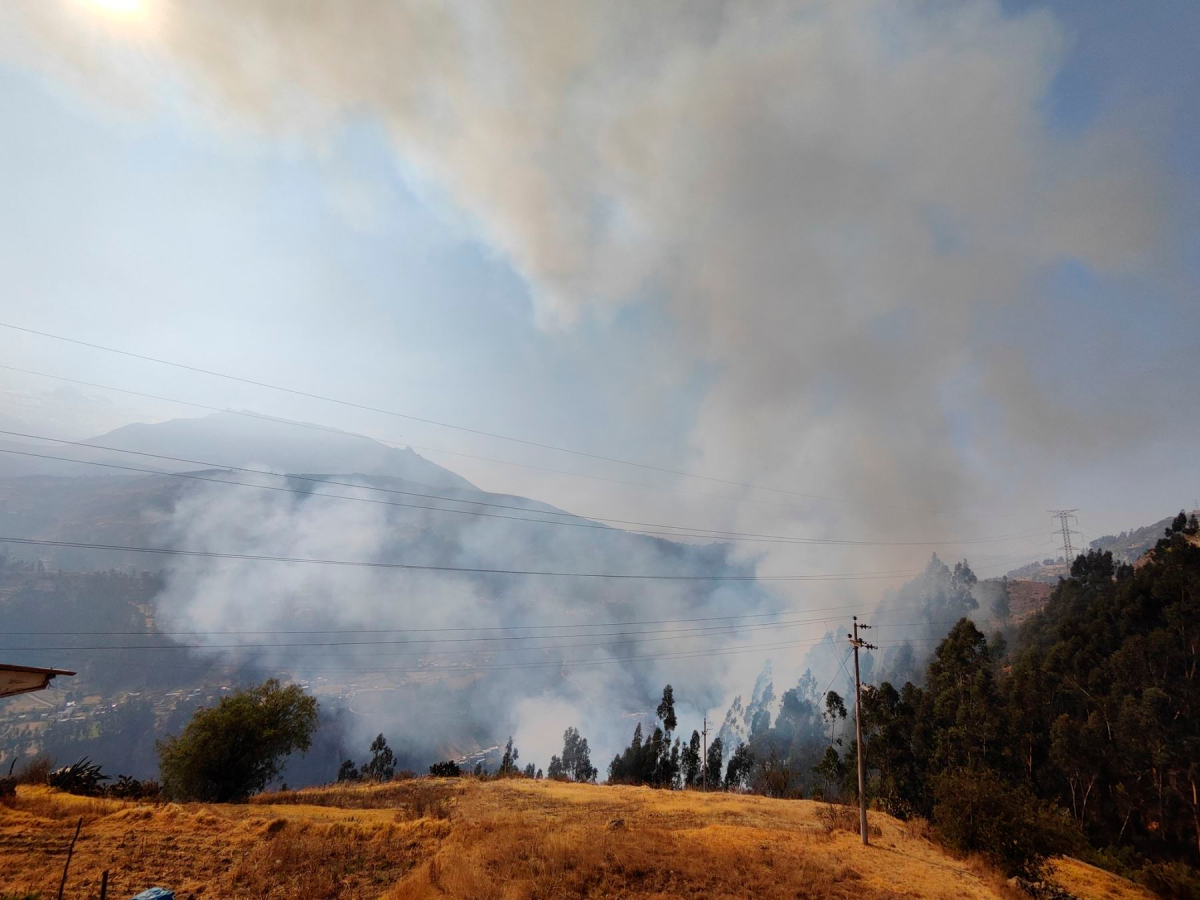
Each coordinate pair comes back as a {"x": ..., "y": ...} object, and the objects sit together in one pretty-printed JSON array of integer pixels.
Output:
[
  {"x": 126, "y": 787},
  {"x": 1173, "y": 879},
  {"x": 236, "y": 748},
  {"x": 36, "y": 771},
  {"x": 977, "y": 812}
]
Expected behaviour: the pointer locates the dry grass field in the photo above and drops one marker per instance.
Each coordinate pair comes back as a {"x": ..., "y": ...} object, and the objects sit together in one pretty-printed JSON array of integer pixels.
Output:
[{"x": 469, "y": 839}]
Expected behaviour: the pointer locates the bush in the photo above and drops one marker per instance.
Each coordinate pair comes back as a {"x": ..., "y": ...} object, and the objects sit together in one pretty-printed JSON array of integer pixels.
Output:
[
  {"x": 447, "y": 769},
  {"x": 235, "y": 749},
  {"x": 976, "y": 812},
  {"x": 82, "y": 777},
  {"x": 36, "y": 771},
  {"x": 428, "y": 800},
  {"x": 129, "y": 788},
  {"x": 840, "y": 817},
  {"x": 1173, "y": 879}
]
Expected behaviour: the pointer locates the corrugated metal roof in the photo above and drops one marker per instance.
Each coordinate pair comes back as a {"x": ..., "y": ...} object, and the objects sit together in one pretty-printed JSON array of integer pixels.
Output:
[{"x": 23, "y": 679}]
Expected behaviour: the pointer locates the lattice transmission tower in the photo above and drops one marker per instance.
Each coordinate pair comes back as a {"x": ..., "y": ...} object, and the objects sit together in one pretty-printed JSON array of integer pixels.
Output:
[{"x": 1065, "y": 517}]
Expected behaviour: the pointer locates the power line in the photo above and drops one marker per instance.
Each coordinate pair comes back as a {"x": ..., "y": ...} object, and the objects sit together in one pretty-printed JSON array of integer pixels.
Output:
[
  {"x": 634, "y": 637},
  {"x": 461, "y": 428},
  {"x": 305, "y": 560},
  {"x": 460, "y": 628},
  {"x": 460, "y": 669},
  {"x": 833, "y": 646},
  {"x": 682, "y": 530},
  {"x": 217, "y": 409},
  {"x": 842, "y": 670},
  {"x": 212, "y": 554},
  {"x": 704, "y": 631},
  {"x": 843, "y": 608},
  {"x": 658, "y": 634},
  {"x": 640, "y": 485}
]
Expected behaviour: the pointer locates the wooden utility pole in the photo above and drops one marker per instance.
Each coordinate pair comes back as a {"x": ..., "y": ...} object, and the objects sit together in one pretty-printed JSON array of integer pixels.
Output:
[
  {"x": 859, "y": 644},
  {"x": 704, "y": 756}
]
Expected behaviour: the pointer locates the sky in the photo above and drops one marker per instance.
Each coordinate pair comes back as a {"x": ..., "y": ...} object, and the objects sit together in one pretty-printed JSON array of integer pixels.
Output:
[{"x": 923, "y": 269}]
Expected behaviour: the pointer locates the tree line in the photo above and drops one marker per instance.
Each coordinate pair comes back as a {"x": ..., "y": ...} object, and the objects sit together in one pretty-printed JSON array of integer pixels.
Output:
[{"x": 1084, "y": 737}]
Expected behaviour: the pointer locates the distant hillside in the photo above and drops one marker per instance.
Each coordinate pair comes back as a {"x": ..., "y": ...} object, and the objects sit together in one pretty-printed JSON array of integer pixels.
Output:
[
  {"x": 1129, "y": 546},
  {"x": 1126, "y": 547},
  {"x": 236, "y": 440},
  {"x": 1048, "y": 571},
  {"x": 1027, "y": 597},
  {"x": 233, "y": 439}
]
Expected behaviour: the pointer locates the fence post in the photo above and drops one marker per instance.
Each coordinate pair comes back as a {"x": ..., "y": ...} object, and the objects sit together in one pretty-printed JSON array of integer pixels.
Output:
[{"x": 70, "y": 850}]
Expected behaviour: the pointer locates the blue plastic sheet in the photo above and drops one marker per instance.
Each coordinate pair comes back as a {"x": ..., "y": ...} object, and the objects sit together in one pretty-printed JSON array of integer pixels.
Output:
[{"x": 155, "y": 893}]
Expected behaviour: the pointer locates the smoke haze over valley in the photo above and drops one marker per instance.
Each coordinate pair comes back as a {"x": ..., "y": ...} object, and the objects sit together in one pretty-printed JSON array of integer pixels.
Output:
[{"x": 493, "y": 366}]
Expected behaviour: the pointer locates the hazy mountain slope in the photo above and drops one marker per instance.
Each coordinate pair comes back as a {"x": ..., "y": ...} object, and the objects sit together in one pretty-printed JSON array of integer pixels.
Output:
[
  {"x": 1027, "y": 597},
  {"x": 132, "y": 510},
  {"x": 231, "y": 439},
  {"x": 236, "y": 440},
  {"x": 431, "y": 562},
  {"x": 1129, "y": 546}
]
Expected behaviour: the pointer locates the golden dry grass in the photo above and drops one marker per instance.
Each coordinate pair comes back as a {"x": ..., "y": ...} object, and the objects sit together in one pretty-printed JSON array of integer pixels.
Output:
[
  {"x": 462, "y": 838},
  {"x": 1089, "y": 883},
  {"x": 287, "y": 851}
]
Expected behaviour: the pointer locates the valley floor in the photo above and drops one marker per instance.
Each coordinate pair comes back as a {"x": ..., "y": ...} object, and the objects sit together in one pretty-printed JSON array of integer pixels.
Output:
[{"x": 500, "y": 839}]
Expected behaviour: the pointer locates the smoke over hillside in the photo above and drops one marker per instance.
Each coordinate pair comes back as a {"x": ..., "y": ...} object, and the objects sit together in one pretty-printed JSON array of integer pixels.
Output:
[
  {"x": 846, "y": 211},
  {"x": 464, "y": 657}
]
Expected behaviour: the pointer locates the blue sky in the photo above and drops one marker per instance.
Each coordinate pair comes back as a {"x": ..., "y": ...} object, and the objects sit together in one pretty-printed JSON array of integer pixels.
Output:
[{"x": 452, "y": 265}]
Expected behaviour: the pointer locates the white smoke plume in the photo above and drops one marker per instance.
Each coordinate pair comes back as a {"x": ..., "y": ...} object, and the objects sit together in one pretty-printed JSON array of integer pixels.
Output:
[{"x": 254, "y": 613}]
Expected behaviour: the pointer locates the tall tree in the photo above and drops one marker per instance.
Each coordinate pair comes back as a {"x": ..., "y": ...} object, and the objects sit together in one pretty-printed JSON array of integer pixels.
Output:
[
  {"x": 576, "y": 761},
  {"x": 666, "y": 710},
  {"x": 965, "y": 701},
  {"x": 239, "y": 746},
  {"x": 835, "y": 713},
  {"x": 832, "y": 772},
  {"x": 508, "y": 764},
  {"x": 383, "y": 762},
  {"x": 741, "y": 766},
  {"x": 713, "y": 763},
  {"x": 690, "y": 761},
  {"x": 627, "y": 766}
]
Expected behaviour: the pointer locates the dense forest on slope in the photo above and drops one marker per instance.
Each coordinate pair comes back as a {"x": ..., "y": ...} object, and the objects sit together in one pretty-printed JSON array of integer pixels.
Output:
[
  {"x": 1102, "y": 704},
  {"x": 1080, "y": 734},
  {"x": 1096, "y": 711}
]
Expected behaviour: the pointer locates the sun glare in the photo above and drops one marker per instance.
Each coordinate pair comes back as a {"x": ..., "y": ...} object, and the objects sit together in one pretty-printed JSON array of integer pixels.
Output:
[{"x": 120, "y": 7}]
